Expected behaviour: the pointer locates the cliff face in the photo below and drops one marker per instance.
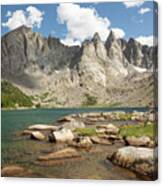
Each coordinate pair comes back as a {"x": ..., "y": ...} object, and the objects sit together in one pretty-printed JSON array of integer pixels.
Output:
[{"x": 58, "y": 75}]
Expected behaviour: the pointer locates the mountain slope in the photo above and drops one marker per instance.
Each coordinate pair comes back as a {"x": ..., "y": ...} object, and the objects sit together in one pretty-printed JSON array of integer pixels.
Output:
[
  {"x": 58, "y": 75},
  {"x": 13, "y": 97}
]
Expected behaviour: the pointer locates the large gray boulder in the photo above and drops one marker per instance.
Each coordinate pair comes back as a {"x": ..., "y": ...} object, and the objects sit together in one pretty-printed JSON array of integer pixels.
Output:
[
  {"x": 63, "y": 135},
  {"x": 138, "y": 141},
  {"x": 140, "y": 160}
]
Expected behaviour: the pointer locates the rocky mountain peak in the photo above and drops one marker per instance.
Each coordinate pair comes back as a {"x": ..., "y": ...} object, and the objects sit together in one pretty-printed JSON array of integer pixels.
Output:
[
  {"x": 111, "y": 38},
  {"x": 38, "y": 64},
  {"x": 23, "y": 29},
  {"x": 133, "y": 52},
  {"x": 96, "y": 37},
  {"x": 132, "y": 42}
]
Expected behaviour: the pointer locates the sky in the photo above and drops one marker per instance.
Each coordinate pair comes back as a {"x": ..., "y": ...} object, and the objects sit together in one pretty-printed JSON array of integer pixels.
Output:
[{"x": 75, "y": 22}]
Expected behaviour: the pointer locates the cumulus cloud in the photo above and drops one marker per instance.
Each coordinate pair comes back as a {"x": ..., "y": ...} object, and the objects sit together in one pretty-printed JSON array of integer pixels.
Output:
[
  {"x": 133, "y": 3},
  {"x": 144, "y": 11},
  {"x": 70, "y": 42},
  {"x": 81, "y": 23},
  {"x": 147, "y": 40},
  {"x": 119, "y": 33},
  {"x": 31, "y": 17}
]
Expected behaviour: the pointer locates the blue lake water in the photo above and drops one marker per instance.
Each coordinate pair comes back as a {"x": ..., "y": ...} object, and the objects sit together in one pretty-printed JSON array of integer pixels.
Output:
[{"x": 14, "y": 120}]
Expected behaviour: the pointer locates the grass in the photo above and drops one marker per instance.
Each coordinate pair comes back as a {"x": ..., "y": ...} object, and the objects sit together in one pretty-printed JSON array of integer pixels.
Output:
[
  {"x": 125, "y": 117},
  {"x": 13, "y": 97},
  {"x": 139, "y": 130},
  {"x": 86, "y": 131}
]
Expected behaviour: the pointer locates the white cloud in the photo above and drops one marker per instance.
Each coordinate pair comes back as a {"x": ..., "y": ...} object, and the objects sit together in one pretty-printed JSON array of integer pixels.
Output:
[
  {"x": 82, "y": 23},
  {"x": 147, "y": 40},
  {"x": 70, "y": 42},
  {"x": 35, "y": 16},
  {"x": 17, "y": 19},
  {"x": 32, "y": 17},
  {"x": 119, "y": 33},
  {"x": 8, "y": 14},
  {"x": 133, "y": 3},
  {"x": 144, "y": 10}
]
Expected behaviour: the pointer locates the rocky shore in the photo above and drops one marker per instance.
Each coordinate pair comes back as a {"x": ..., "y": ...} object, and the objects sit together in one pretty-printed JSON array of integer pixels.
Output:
[{"x": 130, "y": 139}]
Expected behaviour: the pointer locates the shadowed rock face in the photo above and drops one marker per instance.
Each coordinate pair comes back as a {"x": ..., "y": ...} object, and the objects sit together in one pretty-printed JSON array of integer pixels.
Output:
[{"x": 105, "y": 70}]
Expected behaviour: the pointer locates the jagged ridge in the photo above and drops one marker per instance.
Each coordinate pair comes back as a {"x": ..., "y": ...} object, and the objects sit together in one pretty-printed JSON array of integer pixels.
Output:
[{"x": 65, "y": 74}]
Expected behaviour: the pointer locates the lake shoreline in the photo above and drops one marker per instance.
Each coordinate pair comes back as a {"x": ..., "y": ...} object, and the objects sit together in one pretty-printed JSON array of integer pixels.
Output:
[{"x": 86, "y": 132}]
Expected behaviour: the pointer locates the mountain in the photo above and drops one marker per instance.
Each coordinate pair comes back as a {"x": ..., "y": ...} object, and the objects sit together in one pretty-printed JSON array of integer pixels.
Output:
[{"x": 116, "y": 72}]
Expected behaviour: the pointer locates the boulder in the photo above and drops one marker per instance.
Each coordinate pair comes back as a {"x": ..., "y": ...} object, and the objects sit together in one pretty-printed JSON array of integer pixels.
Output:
[
  {"x": 91, "y": 115},
  {"x": 152, "y": 144},
  {"x": 138, "y": 116},
  {"x": 114, "y": 137},
  {"x": 101, "y": 130},
  {"x": 73, "y": 124},
  {"x": 83, "y": 142},
  {"x": 138, "y": 141},
  {"x": 152, "y": 117},
  {"x": 141, "y": 160},
  {"x": 42, "y": 127},
  {"x": 63, "y": 135},
  {"x": 109, "y": 128},
  {"x": 68, "y": 118},
  {"x": 11, "y": 170},
  {"x": 101, "y": 141},
  {"x": 94, "y": 119},
  {"x": 60, "y": 154},
  {"x": 15, "y": 171},
  {"x": 27, "y": 132},
  {"x": 37, "y": 135}
]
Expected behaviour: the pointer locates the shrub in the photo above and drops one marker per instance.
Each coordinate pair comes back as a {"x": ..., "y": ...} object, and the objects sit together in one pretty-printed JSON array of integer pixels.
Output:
[
  {"x": 13, "y": 97},
  {"x": 86, "y": 131},
  {"x": 90, "y": 100}
]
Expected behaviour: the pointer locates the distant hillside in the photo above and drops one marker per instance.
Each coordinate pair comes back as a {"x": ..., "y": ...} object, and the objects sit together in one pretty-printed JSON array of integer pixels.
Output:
[{"x": 13, "y": 97}]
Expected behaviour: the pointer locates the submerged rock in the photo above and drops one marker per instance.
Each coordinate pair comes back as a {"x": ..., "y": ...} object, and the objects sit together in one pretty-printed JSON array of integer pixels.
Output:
[
  {"x": 63, "y": 135},
  {"x": 140, "y": 160},
  {"x": 138, "y": 141},
  {"x": 15, "y": 171},
  {"x": 61, "y": 154},
  {"x": 37, "y": 136}
]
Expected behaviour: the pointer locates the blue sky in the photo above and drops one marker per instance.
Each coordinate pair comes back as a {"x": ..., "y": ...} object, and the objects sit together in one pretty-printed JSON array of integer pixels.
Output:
[{"x": 134, "y": 21}]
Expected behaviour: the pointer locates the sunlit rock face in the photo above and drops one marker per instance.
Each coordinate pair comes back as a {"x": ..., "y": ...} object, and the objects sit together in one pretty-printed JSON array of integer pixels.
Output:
[{"x": 105, "y": 70}]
